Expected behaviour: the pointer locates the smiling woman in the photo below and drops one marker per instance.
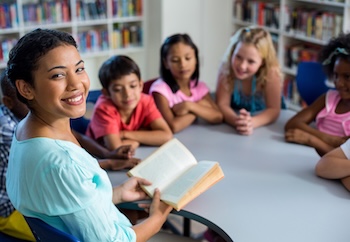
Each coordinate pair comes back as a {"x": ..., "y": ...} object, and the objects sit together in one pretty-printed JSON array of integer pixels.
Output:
[{"x": 49, "y": 175}]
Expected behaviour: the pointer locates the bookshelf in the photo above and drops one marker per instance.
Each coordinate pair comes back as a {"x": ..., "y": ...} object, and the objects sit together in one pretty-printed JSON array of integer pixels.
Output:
[
  {"x": 299, "y": 29},
  {"x": 102, "y": 28}
]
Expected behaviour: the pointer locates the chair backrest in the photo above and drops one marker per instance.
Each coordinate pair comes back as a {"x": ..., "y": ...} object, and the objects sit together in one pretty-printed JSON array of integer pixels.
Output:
[
  {"x": 93, "y": 96},
  {"x": 311, "y": 81},
  {"x": 147, "y": 85},
  {"x": 45, "y": 232},
  {"x": 7, "y": 238}
]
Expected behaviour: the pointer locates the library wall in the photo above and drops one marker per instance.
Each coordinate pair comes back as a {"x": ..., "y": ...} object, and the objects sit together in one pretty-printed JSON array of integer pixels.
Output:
[
  {"x": 206, "y": 21},
  {"x": 101, "y": 28}
]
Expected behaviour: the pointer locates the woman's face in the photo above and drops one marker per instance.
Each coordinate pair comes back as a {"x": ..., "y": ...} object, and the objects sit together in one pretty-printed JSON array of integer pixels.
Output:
[
  {"x": 245, "y": 61},
  {"x": 181, "y": 61},
  {"x": 341, "y": 77},
  {"x": 61, "y": 84}
]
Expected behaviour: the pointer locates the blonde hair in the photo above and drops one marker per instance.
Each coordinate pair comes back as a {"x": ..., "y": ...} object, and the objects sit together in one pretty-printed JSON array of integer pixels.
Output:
[{"x": 259, "y": 38}]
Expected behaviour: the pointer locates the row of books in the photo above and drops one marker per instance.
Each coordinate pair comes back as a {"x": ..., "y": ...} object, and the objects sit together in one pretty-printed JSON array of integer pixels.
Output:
[
  {"x": 46, "y": 12},
  {"x": 58, "y": 11},
  {"x": 125, "y": 36},
  {"x": 91, "y": 9},
  {"x": 98, "y": 40},
  {"x": 296, "y": 53},
  {"x": 5, "y": 46},
  {"x": 93, "y": 41},
  {"x": 322, "y": 25},
  {"x": 257, "y": 12},
  {"x": 124, "y": 8},
  {"x": 8, "y": 15},
  {"x": 290, "y": 92}
]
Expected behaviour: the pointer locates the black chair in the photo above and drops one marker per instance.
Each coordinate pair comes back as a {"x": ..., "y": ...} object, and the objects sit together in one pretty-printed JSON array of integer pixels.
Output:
[{"x": 46, "y": 233}]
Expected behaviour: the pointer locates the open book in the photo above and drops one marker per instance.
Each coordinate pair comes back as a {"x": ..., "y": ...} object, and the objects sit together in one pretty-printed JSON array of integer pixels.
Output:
[{"x": 176, "y": 173}]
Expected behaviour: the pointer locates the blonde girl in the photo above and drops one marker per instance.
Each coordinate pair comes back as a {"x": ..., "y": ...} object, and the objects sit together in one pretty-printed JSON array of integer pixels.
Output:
[{"x": 249, "y": 82}]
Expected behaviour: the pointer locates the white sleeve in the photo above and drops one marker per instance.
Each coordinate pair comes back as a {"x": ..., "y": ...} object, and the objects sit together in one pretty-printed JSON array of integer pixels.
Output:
[{"x": 346, "y": 148}]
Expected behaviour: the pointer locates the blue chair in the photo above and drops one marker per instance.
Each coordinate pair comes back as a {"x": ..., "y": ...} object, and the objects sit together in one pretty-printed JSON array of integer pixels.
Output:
[
  {"x": 93, "y": 96},
  {"x": 45, "y": 232},
  {"x": 80, "y": 124},
  {"x": 311, "y": 81}
]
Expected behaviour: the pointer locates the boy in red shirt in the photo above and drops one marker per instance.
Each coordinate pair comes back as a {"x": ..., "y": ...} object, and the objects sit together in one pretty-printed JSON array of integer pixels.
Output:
[{"x": 123, "y": 114}]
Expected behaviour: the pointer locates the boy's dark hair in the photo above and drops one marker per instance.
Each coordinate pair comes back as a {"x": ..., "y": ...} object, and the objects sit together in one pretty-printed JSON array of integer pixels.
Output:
[
  {"x": 115, "y": 68},
  {"x": 341, "y": 41},
  {"x": 164, "y": 51},
  {"x": 24, "y": 56},
  {"x": 7, "y": 89}
]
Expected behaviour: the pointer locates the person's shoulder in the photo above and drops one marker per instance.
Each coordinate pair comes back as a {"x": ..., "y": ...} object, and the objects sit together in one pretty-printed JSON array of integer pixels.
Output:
[
  {"x": 145, "y": 100},
  {"x": 202, "y": 84},
  {"x": 274, "y": 71},
  {"x": 6, "y": 116},
  {"x": 159, "y": 83},
  {"x": 161, "y": 87},
  {"x": 104, "y": 103},
  {"x": 333, "y": 92}
]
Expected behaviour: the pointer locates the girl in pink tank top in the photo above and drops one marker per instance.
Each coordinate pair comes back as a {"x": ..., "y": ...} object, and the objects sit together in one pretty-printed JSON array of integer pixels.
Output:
[{"x": 330, "y": 110}]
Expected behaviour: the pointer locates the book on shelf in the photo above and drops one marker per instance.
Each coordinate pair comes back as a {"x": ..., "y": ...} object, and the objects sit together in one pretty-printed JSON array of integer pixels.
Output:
[
  {"x": 126, "y": 8},
  {"x": 8, "y": 15},
  {"x": 298, "y": 52},
  {"x": 46, "y": 12},
  {"x": 174, "y": 170},
  {"x": 321, "y": 25},
  {"x": 257, "y": 12}
]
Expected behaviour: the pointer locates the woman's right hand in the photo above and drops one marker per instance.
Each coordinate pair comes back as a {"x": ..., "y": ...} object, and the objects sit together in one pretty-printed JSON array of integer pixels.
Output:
[{"x": 159, "y": 208}]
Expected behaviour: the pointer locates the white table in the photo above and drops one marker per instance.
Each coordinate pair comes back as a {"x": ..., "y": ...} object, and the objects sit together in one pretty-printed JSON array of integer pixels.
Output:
[{"x": 269, "y": 193}]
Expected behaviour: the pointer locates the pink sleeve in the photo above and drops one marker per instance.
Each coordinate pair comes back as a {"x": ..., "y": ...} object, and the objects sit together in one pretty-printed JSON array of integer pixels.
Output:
[
  {"x": 162, "y": 88},
  {"x": 202, "y": 89}
]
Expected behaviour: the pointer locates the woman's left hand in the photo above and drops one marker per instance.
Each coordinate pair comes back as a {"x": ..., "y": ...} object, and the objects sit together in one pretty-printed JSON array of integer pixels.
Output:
[{"x": 130, "y": 190}]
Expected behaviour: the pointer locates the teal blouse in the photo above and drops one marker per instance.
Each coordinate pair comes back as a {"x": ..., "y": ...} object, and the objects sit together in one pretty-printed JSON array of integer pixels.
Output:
[
  {"x": 253, "y": 102},
  {"x": 63, "y": 185}
]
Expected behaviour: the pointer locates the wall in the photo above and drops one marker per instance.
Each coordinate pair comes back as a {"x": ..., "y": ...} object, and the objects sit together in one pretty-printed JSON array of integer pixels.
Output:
[{"x": 207, "y": 22}]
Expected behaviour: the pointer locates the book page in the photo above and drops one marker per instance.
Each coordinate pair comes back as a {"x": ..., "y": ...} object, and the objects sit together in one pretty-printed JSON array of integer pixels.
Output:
[
  {"x": 178, "y": 189},
  {"x": 164, "y": 165}
]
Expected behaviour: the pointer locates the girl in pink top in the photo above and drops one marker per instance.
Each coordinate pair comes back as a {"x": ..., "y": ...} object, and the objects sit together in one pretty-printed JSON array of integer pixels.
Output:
[
  {"x": 331, "y": 110},
  {"x": 179, "y": 95}
]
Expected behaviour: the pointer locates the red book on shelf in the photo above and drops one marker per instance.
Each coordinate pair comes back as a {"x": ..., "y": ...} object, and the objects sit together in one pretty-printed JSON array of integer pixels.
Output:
[
  {"x": 2, "y": 17},
  {"x": 139, "y": 7},
  {"x": 261, "y": 13},
  {"x": 65, "y": 11}
]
